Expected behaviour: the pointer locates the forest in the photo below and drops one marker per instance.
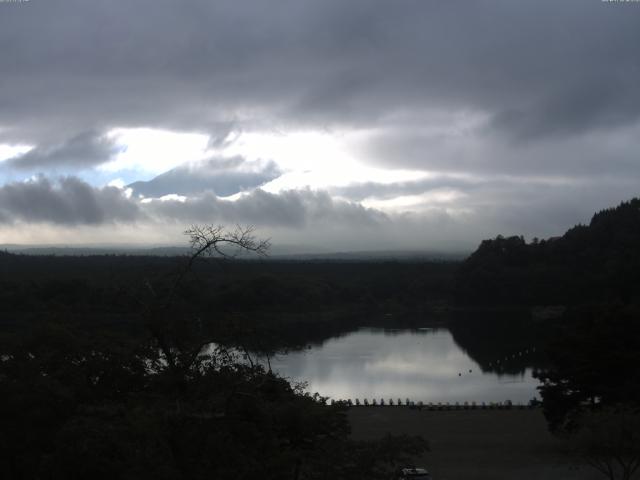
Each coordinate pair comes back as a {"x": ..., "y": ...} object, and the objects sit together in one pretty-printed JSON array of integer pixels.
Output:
[
  {"x": 116, "y": 366},
  {"x": 597, "y": 262},
  {"x": 590, "y": 383}
]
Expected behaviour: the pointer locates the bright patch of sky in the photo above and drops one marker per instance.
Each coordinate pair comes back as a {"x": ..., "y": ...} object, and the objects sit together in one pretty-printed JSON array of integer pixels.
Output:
[
  {"x": 314, "y": 159},
  {"x": 10, "y": 151},
  {"x": 151, "y": 152},
  {"x": 415, "y": 203},
  {"x": 308, "y": 159}
]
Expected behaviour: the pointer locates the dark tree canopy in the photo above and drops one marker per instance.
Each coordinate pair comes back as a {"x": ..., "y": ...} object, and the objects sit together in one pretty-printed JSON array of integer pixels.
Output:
[
  {"x": 593, "y": 364},
  {"x": 597, "y": 262}
]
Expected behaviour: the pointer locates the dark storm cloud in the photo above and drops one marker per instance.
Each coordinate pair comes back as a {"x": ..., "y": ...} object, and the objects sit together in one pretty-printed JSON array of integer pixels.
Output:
[
  {"x": 293, "y": 208},
  {"x": 604, "y": 102},
  {"x": 316, "y": 218},
  {"x": 601, "y": 153},
  {"x": 84, "y": 150},
  {"x": 68, "y": 201},
  {"x": 537, "y": 68},
  {"x": 223, "y": 176}
]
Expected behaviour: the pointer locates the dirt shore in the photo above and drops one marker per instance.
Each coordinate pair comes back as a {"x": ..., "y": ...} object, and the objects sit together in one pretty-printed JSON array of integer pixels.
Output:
[{"x": 476, "y": 444}]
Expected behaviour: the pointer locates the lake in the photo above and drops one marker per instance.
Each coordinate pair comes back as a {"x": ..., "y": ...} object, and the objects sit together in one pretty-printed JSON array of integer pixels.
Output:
[{"x": 422, "y": 365}]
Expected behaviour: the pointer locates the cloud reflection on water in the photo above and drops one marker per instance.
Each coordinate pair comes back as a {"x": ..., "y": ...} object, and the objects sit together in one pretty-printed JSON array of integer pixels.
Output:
[{"x": 421, "y": 365}]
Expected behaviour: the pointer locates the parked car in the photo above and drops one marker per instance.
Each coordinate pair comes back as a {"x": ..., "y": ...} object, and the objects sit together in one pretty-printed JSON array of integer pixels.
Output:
[{"x": 413, "y": 473}]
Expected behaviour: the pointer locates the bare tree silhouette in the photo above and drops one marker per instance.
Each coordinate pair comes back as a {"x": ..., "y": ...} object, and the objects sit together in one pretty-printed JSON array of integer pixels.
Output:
[{"x": 216, "y": 241}]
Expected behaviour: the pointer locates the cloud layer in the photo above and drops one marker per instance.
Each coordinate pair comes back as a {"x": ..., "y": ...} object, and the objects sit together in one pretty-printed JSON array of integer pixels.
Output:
[
  {"x": 68, "y": 201},
  {"x": 516, "y": 117},
  {"x": 544, "y": 68},
  {"x": 85, "y": 150}
]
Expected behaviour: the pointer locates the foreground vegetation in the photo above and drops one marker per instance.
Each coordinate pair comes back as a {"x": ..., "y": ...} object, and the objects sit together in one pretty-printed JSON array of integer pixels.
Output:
[
  {"x": 163, "y": 393},
  {"x": 76, "y": 405},
  {"x": 141, "y": 367}
]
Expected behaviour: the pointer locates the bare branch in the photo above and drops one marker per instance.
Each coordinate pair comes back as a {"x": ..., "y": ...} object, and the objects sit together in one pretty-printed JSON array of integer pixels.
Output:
[
  {"x": 211, "y": 240},
  {"x": 205, "y": 240}
]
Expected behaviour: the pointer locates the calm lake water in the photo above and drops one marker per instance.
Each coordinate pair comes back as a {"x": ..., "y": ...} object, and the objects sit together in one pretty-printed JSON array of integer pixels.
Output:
[{"x": 419, "y": 364}]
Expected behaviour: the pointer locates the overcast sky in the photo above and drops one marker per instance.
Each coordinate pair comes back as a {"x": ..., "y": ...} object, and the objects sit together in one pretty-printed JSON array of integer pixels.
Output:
[{"x": 331, "y": 124}]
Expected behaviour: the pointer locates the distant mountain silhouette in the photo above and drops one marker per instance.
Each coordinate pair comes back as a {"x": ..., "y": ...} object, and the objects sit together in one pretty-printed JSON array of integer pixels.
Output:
[
  {"x": 220, "y": 176},
  {"x": 595, "y": 262}
]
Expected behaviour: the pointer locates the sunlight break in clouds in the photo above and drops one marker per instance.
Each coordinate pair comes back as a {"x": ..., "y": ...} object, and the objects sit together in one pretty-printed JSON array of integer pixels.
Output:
[
  {"x": 152, "y": 151},
  {"x": 308, "y": 159},
  {"x": 314, "y": 159},
  {"x": 11, "y": 151},
  {"x": 417, "y": 203}
]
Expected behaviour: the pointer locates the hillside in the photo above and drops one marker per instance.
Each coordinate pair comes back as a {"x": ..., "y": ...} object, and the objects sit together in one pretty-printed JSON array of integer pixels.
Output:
[{"x": 597, "y": 262}]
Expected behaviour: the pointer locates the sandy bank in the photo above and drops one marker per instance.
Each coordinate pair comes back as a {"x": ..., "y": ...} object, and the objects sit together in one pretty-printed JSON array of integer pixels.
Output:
[{"x": 476, "y": 444}]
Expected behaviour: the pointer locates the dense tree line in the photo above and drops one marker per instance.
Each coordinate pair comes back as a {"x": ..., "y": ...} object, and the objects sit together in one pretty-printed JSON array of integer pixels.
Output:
[
  {"x": 276, "y": 304},
  {"x": 591, "y": 388},
  {"x": 599, "y": 262},
  {"x": 114, "y": 283},
  {"x": 594, "y": 354}
]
